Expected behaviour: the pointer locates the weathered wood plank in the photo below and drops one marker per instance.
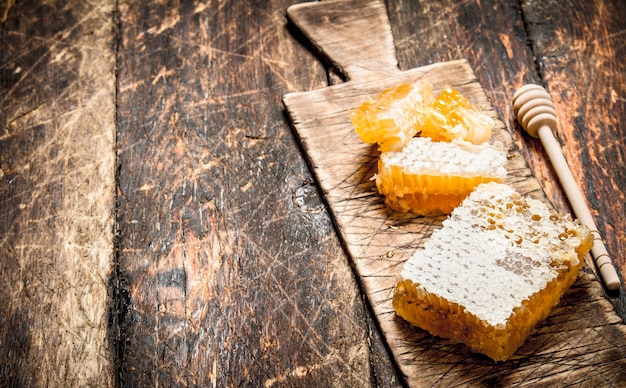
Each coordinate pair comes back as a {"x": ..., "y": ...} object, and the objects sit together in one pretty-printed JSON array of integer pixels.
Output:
[
  {"x": 379, "y": 241},
  {"x": 57, "y": 198},
  {"x": 569, "y": 40},
  {"x": 491, "y": 35},
  {"x": 200, "y": 86},
  {"x": 230, "y": 270},
  {"x": 582, "y": 64}
]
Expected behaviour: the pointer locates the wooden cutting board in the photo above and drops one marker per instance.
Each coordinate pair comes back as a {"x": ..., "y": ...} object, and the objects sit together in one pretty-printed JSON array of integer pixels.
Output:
[{"x": 356, "y": 37}]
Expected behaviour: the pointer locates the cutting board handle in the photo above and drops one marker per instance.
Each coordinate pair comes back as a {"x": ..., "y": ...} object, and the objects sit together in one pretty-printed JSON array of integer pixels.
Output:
[{"x": 355, "y": 35}]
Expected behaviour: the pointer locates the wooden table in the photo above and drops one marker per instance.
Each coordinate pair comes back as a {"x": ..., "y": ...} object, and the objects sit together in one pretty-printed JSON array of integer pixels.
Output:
[{"x": 160, "y": 225}]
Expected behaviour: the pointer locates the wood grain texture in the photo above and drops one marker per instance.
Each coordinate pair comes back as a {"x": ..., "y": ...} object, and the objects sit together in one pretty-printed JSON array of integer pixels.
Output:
[
  {"x": 364, "y": 23},
  {"x": 533, "y": 43},
  {"x": 580, "y": 51},
  {"x": 230, "y": 272},
  {"x": 492, "y": 37},
  {"x": 379, "y": 241},
  {"x": 57, "y": 158},
  {"x": 224, "y": 267}
]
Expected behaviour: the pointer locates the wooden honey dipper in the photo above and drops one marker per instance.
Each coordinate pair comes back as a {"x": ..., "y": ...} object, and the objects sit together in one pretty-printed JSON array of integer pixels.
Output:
[{"x": 535, "y": 112}]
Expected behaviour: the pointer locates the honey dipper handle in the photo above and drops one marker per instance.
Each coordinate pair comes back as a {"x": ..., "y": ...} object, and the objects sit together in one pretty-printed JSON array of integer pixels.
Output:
[
  {"x": 535, "y": 111},
  {"x": 576, "y": 200}
]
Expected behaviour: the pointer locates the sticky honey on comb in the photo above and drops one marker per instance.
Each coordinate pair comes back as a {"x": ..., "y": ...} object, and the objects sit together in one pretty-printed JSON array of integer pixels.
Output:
[
  {"x": 394, "y": 117},
  {"x": 495, "y": 269},
  {"x": 452, "y": 117},
  {"x": 430, "y": 178},
  {"x": 401, "y": 112}
]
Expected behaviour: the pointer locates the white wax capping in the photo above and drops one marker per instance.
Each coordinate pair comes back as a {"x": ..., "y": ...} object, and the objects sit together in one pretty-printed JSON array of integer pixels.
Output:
[
  {"x": 493, "y": 252},
  {"x": 424, "y": 156}
]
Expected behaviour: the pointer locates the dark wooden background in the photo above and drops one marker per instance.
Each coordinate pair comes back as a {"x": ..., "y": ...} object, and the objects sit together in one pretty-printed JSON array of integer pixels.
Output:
[{"x": 158, "y": 222}]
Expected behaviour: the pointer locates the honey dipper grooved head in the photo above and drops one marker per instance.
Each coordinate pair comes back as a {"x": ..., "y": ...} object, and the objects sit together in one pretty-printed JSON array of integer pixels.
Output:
[{"x": 534, "y": 108}]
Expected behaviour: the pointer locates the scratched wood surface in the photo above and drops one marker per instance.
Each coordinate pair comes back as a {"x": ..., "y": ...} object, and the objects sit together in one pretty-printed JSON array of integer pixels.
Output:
[
  {"x": 159, "y": 224},
  {"x": 577, "y": 46},
  {"x": 57, "y": 190},
  {"x": 587, "y": 82},
  {"x": 230, "y": 270},
  {"x": 380, "y": 241}
]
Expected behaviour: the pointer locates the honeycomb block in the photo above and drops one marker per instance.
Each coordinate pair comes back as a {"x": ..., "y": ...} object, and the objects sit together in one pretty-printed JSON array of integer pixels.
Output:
[{"x": 496, "y": 268}]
